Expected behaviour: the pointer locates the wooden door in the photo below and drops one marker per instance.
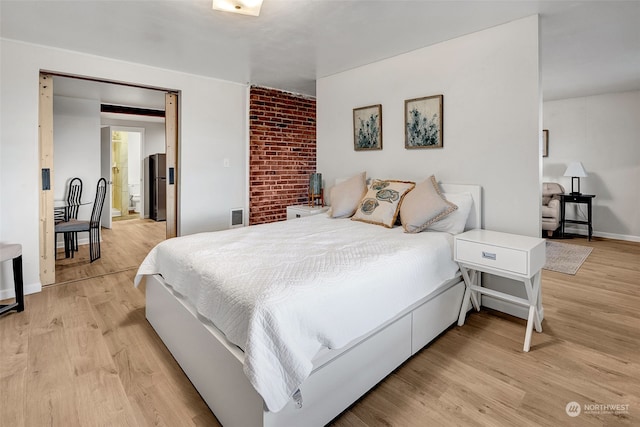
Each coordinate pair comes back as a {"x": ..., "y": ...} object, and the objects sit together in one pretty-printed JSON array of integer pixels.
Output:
[
  {"x": 45, "y": 146},
  {"x": 171, "y": 136},
  {"x": 106, "y": 162}
]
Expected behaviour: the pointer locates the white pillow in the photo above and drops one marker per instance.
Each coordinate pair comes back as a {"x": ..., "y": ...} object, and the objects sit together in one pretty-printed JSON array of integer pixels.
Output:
[
  {"x": 454, "y": 222},
  {"x": 345, "y": 196}
]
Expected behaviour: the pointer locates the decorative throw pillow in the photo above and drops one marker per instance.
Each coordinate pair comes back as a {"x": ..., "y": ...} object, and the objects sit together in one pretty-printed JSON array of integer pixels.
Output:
[
  {"x": 381, "y": 203},
  {"x": 423, "y": 206},
  {"x": 346, "y": 195},
  {"x": 455, "y": 222}
]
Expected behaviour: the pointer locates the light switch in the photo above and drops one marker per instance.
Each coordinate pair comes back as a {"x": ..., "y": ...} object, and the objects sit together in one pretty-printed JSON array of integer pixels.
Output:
[{"x": 226, "y": 163}]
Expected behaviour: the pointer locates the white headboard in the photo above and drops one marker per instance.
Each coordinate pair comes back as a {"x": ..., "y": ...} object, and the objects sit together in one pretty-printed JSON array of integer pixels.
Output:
[{"x": 475, "y": 216}]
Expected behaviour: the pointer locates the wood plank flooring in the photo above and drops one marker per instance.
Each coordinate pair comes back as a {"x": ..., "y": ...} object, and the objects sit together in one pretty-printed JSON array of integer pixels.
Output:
[
  {"x": 82, "y": 354},
  {"x": 123, "y": 247}
]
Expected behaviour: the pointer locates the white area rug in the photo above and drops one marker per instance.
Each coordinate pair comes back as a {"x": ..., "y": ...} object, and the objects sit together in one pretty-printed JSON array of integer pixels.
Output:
[{"x": 565, "y": 258}]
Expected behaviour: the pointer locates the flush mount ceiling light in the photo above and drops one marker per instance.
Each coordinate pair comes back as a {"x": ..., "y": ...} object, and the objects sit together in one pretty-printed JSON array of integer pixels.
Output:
[{"x": 244, "y": 7}]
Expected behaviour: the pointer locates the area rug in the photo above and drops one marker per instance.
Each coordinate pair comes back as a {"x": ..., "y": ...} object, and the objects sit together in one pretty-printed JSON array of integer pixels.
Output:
[{"x": 565, "y": 258}]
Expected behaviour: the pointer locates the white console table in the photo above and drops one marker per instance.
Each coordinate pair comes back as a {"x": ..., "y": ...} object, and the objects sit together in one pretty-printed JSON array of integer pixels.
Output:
[{"x": 507, "y": 255}]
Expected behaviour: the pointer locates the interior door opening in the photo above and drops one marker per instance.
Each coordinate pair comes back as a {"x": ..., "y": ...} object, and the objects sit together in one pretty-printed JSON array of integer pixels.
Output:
[{"x": 130, "y": 194}]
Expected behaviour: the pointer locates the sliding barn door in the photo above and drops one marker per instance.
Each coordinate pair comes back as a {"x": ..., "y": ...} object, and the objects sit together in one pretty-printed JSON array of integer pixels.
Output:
[
  {"x": 171, "y": 135},
  {"x": 45, "y": 146}
]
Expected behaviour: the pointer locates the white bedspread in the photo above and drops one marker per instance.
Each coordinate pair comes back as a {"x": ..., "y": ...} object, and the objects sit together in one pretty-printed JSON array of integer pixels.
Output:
[{"x": 282, "y": 291}]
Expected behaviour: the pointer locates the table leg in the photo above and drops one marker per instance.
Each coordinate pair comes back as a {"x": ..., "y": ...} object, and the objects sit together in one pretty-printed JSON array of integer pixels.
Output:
[
  {"x": 562, "y": 214},
  {"x": 527, "y": 335},
  {"x": 468, "y": 282},
  {"x": 66, "y": 245},
  {"x": 589, "y": 218},
  {"x": 533, "y": 291},
  {"x": 465, "y": 305}
]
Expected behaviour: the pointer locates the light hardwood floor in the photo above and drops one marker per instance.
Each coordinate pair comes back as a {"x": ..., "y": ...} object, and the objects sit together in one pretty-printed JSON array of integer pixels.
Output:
[
  {"x": 82, "y": 354},
  {"x": 123, "y": 247}
]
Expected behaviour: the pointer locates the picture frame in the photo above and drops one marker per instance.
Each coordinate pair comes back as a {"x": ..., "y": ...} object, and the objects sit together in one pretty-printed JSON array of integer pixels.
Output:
[
  {"x": 545, "y": 143},
  {"x": 423, "y": 120},
  {"x": 367, "y": 128}
]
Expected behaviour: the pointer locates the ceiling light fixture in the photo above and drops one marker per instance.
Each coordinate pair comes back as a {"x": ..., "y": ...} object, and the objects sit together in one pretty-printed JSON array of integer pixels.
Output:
[{"x": 244, "y": 7}]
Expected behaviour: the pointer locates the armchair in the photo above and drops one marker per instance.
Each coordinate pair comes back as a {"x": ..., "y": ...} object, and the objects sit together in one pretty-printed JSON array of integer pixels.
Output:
[{"x": 551, "y": 206}]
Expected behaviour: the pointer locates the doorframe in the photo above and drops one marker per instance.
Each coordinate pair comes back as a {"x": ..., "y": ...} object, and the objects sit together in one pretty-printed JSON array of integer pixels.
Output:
[
  {"x": 141, "y": 131},
  {"x": 45, "y": 146},
  {"x": 47, "y": 243}
]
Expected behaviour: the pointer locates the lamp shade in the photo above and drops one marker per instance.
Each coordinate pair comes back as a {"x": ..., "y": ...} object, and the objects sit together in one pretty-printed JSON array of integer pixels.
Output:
[
  {"x": 575, "y": 169},
  {"x": 315, "y": 183}
]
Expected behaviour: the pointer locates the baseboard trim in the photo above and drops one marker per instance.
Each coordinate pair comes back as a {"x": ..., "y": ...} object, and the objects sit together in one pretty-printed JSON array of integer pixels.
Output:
[
  {"x": 583, "y": 232},
  {"x": 33, "y": 288}
]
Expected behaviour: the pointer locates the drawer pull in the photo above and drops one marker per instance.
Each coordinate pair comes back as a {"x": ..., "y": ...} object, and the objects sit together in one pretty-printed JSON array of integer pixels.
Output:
[{"x": 488, "y": 255}]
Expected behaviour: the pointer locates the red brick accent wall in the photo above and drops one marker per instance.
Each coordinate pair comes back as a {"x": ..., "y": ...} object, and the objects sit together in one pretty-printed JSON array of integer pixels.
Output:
[{"x": 282, "y": 152}]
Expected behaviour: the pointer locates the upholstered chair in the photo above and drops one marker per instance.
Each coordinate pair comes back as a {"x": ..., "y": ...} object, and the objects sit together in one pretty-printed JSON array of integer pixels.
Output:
[{"x": 551, "y": 206}]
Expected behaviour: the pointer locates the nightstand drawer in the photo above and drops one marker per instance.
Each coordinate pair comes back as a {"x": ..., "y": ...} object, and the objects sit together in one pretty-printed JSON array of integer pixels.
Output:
[
  {"x": 507, "y": 259},
  {"x": 300, "y": 211}
]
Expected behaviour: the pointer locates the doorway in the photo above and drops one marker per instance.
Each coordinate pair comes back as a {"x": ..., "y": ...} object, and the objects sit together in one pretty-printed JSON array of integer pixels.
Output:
[
  {"x": 123, "y": 148},
  {"x": 88, "y": 88}
]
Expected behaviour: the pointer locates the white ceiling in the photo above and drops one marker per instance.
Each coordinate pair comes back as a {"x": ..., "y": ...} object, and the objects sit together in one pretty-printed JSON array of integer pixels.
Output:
[{"x": 587, "y": 47}]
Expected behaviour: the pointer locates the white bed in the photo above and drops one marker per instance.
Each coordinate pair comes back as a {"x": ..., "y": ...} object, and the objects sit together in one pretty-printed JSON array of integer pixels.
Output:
[{"x": 315, "y": 343}]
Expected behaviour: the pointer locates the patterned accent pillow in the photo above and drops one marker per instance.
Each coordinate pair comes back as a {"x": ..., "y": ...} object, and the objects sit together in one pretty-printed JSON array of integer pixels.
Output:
[
  {"x": 382, "y": 202},
  {"x": 424, "y": 206}
]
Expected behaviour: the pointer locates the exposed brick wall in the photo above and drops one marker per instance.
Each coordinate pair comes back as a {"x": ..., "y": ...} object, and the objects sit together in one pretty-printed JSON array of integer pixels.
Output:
[{"x": 282, "y": 145}]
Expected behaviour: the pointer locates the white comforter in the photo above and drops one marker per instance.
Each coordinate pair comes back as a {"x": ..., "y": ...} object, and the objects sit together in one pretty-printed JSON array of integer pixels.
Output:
[{"x": 282, "y": 291}]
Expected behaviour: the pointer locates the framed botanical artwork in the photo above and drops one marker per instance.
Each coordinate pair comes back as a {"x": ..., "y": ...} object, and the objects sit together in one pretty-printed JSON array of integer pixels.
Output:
[
  {"x": 545, "y": 143},
  {"x": 423, "y": 122},
  {"x": 367, "y": 128}
]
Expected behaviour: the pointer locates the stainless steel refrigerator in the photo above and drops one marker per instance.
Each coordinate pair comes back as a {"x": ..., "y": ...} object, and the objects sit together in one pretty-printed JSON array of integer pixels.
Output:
[{"x": 157, "y": 186}]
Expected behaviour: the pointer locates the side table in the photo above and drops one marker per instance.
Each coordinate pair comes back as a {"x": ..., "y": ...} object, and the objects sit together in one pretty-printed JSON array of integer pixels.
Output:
[
  {"x": 506, "y": 255},
  {"x": 576, "y": 198},
  {"x": 298, "y": 211}
]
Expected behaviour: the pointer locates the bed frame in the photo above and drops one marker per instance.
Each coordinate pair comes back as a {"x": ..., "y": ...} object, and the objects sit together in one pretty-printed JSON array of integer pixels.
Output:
[{"x": 215, "y": 366}]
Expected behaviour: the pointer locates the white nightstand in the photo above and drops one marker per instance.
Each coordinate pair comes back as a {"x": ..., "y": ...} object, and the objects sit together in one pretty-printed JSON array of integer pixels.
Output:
[
  {"x": 515, "y": 257},
  {"x": 299, "y": 211}
]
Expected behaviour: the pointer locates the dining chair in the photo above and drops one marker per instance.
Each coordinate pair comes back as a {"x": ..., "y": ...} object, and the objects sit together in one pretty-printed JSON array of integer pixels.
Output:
[
  {"x": 73, "y": 205},
  {"x": 92, "y": 226},
  {"x": 70, "y": 210},
  {"x": 74, "y": 194}
]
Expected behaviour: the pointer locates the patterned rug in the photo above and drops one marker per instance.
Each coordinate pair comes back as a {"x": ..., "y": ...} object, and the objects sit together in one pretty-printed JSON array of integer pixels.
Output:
[{"x": 565, "y": 258}]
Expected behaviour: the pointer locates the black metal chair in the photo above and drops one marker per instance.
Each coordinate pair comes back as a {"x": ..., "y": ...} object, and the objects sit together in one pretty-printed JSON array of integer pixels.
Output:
[
  {"x": 73, "y": 205},
  {"x": 74, "y": 226},
  {"x": 70, "y": 211}
]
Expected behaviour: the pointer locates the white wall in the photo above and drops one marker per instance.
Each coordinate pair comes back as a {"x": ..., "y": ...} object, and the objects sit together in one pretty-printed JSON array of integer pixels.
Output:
[
  {"x": 76, "y": 147},
  {"x": 76, "y": 150},
  {"x": 492, "y": 124},
  {"x": 602, "y": 132},
  {"x": 135, "y": 159},
  {"x": 490, "y": 82},
  {"x": 213, "y": 126}
]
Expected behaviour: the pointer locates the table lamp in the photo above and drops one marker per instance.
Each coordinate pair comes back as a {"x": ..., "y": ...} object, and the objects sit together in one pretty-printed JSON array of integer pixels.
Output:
[
  {"x": 315, "y": 189},
  {"x": 576, "y": 171}
]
